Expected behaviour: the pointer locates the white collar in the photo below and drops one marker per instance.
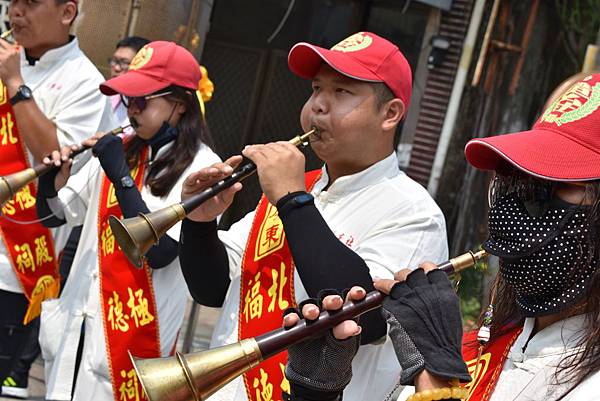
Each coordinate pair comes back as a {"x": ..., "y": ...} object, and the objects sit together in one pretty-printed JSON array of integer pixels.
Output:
[
  {"x": 385, "y": 168},
  {"x": 58, "y": 54},
  {"x": 556, "y": 339}
]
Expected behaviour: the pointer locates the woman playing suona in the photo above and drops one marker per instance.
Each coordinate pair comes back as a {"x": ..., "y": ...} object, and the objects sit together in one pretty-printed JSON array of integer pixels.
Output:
[
  {"x": 541, "y": 334},
  {"x": 117, "y": 307}
]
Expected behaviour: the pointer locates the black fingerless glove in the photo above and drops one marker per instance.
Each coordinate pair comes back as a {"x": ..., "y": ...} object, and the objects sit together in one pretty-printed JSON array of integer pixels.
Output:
[
  {"x": 426, "y": 327},
  {"x": 320, "y": 369},
  {"x": 46, "y": 184},
  {"x": 47, "y": 190},
  {"x": 111, "y": 154}
]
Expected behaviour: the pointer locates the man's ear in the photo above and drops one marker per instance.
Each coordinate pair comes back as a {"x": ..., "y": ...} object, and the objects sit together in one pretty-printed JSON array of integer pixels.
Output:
[
  {"x": 394, "y": 111},
  {"x": 69, "y": 12}
]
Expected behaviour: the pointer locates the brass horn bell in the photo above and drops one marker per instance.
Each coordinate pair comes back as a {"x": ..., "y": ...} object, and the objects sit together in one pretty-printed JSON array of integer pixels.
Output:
[
  {"x": 136, "y": 235},
  {"x": 198, "y": 375},
  {"x": 12, "y": 183}
]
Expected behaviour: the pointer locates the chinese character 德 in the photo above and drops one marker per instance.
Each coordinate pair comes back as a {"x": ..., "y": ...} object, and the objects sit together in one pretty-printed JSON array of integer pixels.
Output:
[{"x": 118, "y": 321}]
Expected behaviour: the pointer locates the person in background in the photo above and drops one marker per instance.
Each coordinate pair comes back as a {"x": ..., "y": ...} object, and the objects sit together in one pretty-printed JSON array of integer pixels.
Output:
[
  {"x": 48, "y": 98},
  {"x": 125, "y": 51}
]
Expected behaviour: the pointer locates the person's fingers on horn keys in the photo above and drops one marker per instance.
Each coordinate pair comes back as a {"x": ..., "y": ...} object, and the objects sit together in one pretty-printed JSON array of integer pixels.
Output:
[
  {"x": 310, "y": 309},
  {"x": 204, "y": 179},
  {"x": 207, "y": 176},
  {"x": 356, "y": 293},
  {"x": 65, "y": 154},
  {"x": 384, "y": 284},
  {"x": 402, "y": 275},
  {"x": 348, "y": 328},
  {"x": 406, "y": 279},
  {"x": 52, "y": 159},
  {"x": 291, "y": 317},
  {"x": 332, "y": 302},
  {"x": 307, "y": 309},
  {"x": 428, "y": 266}
]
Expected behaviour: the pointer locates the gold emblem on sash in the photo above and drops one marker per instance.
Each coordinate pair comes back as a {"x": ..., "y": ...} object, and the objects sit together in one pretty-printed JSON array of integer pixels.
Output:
[
  {"x": 271, "y": 236},
  {"x": 477, "y": 371},
  {"x": 47, "y": 287},
  {"x": 112, "y": 197}
]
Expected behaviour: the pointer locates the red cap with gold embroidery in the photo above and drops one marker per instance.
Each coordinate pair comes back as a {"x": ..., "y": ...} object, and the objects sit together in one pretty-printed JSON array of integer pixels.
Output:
[
  {"x": 156, "y": 66},
  {"x": 563, "y": 145},
  {"x": 363, "y": 56}
]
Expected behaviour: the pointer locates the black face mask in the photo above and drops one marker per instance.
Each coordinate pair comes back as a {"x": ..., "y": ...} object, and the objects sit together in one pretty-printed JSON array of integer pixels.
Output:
[
  {"x": 546, "y": 259},
  {"x": 164, "y": 135}
]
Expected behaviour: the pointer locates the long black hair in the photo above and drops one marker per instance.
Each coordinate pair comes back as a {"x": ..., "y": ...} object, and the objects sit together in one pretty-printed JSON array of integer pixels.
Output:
[
  {"x": 164, "y": 171},
  {"x": 576, "y": 367}
]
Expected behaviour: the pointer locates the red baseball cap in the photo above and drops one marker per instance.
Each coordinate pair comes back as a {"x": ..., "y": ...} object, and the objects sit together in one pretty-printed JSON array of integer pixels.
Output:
[
  {"x": 363, "y": 56},
  {"x": 563, "y": 145},
  {"x": 156, "y": 66}
]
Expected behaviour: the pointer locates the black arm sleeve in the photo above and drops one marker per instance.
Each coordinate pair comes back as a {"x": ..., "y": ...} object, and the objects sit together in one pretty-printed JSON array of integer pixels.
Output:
[
  {"x": 207, "y": 277},
  {"x": 324, "y": 262},
  {"x": 46, "y": 190},
  {"x": 302, "y": 393},
  {"x": 131, "y": 203}
]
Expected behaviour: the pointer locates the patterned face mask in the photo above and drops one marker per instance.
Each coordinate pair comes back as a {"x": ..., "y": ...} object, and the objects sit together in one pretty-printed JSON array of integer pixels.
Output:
[{"x": 538, "y": 253}]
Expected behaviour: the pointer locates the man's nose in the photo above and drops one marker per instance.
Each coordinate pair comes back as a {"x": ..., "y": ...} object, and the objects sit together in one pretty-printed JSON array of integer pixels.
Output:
[
  {"x": 15, "y": 9},
  {"x": 320, "y": 103}
]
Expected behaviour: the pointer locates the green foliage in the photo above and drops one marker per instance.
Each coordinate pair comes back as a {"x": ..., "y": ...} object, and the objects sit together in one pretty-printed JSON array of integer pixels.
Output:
[
  {"x": 580, "y": 21},
  {"x": 470, "y": 308},
  {"x": 469, "y": 292}
]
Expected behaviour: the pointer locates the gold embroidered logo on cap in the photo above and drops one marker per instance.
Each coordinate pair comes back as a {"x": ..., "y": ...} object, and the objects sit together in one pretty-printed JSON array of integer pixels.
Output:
[
  {"x": 354, "y": 43},
  {"x": 578, "y": 102},
  {"x": 142, "y": 58}
]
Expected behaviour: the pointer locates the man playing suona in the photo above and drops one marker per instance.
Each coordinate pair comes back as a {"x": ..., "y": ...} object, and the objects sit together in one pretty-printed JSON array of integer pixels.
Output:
[
  {"x": 48, "y": 98},
  {"x": 357, "y": 218}
]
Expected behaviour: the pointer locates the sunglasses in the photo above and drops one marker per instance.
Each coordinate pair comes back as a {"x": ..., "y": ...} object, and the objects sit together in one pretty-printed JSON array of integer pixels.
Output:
[{"x": 140, "y": 102}]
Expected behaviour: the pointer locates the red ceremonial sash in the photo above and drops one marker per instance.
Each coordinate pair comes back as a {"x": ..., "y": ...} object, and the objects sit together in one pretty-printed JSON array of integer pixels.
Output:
[
  {"x": 486, "y": 374},
  {"x": 266, "y": 290},
  {"x": 30, "y": 246},
  {"x": 128, "y": 302}
]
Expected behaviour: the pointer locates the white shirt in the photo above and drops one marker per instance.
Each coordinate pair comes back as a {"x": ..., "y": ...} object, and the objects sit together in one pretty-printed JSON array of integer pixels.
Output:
[
  {"x": 387, "y": 219},
  {"x": 62, "y": 318},
  {"x": 65, "y": 88},
  {"x": 528, "y": 372}
]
